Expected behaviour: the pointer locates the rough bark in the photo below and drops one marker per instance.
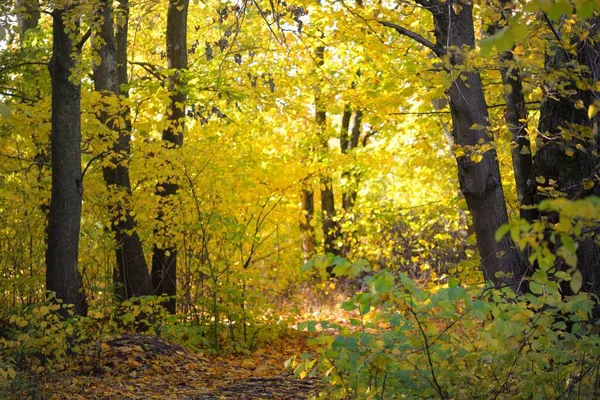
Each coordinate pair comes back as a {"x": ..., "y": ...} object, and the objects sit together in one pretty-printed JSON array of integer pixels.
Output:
[
  {"x": 564, "y": 155},
  {"x": 164, "y": 258},
  {"x": 479, "y": 181},
  {"x": 132, "y": 276},
  {"x": 62, "y": 275},
  {"x": 28, "y": 16}
]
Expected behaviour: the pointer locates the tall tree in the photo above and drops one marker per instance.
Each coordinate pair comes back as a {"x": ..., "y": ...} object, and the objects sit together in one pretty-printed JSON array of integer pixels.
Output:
[
  {"x": 516, "y": 110},
  {"x": 330, "y": 226},
  {"x": 132, "y": 276},
  {"x": 478, "y": 169},
  {"x": 566, "y": 161},
  {"x": 164, "y": 258},
  {"x": 28, "y": 16},
  {"x": 307, "y": 229},
  {"x": 62, "y": 275}
]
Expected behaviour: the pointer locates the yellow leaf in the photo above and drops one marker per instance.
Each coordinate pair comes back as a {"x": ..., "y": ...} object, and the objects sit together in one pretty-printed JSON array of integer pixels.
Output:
[{"x": 476, "y": 157}]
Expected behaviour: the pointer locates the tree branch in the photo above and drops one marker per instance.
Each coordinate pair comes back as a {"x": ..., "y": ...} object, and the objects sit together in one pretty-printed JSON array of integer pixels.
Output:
[
  {"x": 84, "y": 39},
  {"x": 415, "y": 36}
]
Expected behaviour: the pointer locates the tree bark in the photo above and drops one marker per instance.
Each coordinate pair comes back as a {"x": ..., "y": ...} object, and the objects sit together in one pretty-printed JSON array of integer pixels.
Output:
[
  {"x": 565, "y": 162},
  {"x": 307, "y": 230},
  {"x": 328, "y": 215},
  {"x": 479, "y": 181},
  {"x": 62, "y": 275},
  {"x": 164, "y": 258},
  {"x": 133, "y": 278},
  {"x": 28, "y": 16},
  {"x": 516, "y": 111}
]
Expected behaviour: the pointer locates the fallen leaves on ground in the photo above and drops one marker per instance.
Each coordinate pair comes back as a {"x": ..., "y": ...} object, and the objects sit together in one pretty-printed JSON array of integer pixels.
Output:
[{"x": 147, "y": 367}]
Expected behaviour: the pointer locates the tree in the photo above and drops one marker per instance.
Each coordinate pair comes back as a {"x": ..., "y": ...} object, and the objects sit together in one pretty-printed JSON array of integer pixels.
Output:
[
  {"x": 164, "y": 257},
  {"x": 566, "y": 161},
  {"x": 516, "y": 111},
  {"x": 478, "y": 170},
  {"x": 28, "y": 15},
  {"x": 62, "y": 276},
  {"x": 328, "y": 214},
  {"x": 307, "y": 229},
  {"x": 132, "y": 277}
]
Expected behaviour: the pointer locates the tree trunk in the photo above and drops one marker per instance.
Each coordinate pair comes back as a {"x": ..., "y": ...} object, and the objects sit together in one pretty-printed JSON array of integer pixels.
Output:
[
  {"x": 566, "y": 156},
  {"x": 479, "y": 178},
  {"x": 132, "y": 274},
  {"x": 349, "y": 139},
  {"x": 62, "y": 276},
  {"x": 164, "y": 258},
  {"x": 516, "y": 112},
  {"x": 330, "y": 228},
  {"x": 307, "y": 230},
  {"x": 28, "y": 15},
  {"x": 347, "y": 145}
]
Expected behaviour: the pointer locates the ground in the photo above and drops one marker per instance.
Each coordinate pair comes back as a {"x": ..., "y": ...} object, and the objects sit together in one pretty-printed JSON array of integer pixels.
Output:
[{"x": 147, "y": 367}]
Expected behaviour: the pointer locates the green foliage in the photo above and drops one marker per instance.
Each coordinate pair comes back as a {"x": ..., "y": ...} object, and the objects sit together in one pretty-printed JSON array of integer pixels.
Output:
[{"x": 452, "y": 343}]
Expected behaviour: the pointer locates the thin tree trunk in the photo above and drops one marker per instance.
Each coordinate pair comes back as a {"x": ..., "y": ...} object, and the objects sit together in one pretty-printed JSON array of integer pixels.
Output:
[
  {"x": 349, "y": 194},
  {"x": 307, "y": 230},
  {"x": 164, "y": 258},
  {"x": 132, "y": 271},
  {"x": 28, "y": 16},
  {"x": 330, "y": 228},
  {"x": 516, "y": 112},
  {"x": 62, "y": 275}
]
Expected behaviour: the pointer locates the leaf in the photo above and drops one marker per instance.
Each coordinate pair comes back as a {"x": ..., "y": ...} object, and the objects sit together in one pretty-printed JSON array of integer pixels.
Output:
[
  {"x": 501, "y": 232},
  {"x": 585, "y": 9},
  {"x": 4, "y": 110},
  {"x": 569, "y": 243},
  {"x": 576, "y": 281}
]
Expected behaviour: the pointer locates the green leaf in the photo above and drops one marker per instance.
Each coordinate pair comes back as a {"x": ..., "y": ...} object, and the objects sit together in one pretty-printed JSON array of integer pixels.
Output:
[
  {"x": 585, "y": 9},
  {"x": 349, "y": 306},
  {"x": 569, "y": 243},
  {"x": 576, "y": 281},
  {"x": 501, "y": 232},
  {"x": 519, "y": 31},
  {"x": 563, "y": 275}
]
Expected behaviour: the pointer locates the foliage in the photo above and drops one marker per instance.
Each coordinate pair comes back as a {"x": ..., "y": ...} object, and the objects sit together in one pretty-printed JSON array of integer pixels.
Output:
[{"x": 405, "y": 341}]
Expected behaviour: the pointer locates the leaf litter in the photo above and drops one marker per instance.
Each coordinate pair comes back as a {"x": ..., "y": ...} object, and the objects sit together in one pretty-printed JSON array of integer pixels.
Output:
[{"x": 138, "y": 366}]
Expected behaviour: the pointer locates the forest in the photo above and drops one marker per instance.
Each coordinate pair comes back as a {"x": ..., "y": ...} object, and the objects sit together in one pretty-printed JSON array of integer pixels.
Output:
[{"x": 299, "y": 199}]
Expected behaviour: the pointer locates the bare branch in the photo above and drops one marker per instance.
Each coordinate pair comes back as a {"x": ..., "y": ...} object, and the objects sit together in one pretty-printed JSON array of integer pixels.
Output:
[{"x": 415, "y": 36}]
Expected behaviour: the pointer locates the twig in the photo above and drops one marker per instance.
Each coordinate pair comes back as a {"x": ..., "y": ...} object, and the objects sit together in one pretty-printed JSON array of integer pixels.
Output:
[{"x": 437, "y": 385}]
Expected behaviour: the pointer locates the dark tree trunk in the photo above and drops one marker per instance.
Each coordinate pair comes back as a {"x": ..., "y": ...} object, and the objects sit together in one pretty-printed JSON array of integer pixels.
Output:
[
  {"x": 567, "y": 153},
  {"x": 133, "y": 278},
  {"x": 479, "y": 181},
  {"x": 349, "y": 144},
  {"x": 28, "y": 15},
  {"x": 349, "y": 139},
  {"x": 62, "y": 275},
  {"x": 307, "y": 229},
  {"x": 516, "y": 111},
  {"x": 164, "y": 258},
  {"x": 330, "y": 228}
]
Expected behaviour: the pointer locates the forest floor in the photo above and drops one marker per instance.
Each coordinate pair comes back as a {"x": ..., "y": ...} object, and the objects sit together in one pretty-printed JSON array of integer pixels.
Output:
[{"x": 147, "y": 367}]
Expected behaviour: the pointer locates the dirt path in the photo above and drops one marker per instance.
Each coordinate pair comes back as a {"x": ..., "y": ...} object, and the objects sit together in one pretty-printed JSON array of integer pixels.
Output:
[{"x": 146, "y": 367}]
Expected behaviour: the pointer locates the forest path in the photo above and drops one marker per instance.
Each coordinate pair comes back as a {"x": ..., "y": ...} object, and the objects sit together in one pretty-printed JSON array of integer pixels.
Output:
[{"x": 146, "y": 367}]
